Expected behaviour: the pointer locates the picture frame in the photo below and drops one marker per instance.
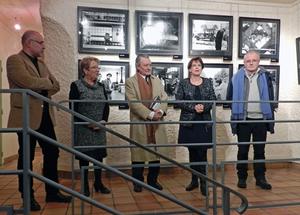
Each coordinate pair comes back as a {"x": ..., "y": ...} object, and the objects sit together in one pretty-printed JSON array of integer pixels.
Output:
[
  {"x": 298, "y": 57},
  {"x": 102, "y": 30},
  {"x": 274, "y": 71},
  {"x": 159, "y": 33},
  {"x": 210, "y": 35},
  {"x": 170, "y": 74},
  {"x": 221, "y": 75},
  {"x": 115, "y": 89},
  {"x": 261, "y": 35}
]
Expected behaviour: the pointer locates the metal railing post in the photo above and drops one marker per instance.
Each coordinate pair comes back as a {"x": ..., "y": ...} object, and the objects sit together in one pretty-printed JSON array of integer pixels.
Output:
[
  {"x": 26, "y": 155},
  {"x": 226, "y": 202},
  {"x": 82, "y": 179},
  {"x": 73, "y": 157},
  {"x": 214, "y": 158}
]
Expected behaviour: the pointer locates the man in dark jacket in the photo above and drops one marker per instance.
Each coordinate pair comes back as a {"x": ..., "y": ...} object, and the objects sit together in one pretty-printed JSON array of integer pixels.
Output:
[
  {"x": 251, "y": 83},
  {"x": 219, "y": 39}
]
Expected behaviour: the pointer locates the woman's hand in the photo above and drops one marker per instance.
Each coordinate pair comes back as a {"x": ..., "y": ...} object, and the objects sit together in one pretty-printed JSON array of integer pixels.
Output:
[
  {"x": 199, "y": 108},
  {"x": 95, "y": 127}
]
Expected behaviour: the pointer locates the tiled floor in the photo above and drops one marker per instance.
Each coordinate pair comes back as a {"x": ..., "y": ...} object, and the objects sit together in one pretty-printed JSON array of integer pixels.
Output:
[{"x": 285, "y": 182}]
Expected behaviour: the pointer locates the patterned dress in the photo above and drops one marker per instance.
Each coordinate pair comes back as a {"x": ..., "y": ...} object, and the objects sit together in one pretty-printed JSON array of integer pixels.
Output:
[{"x": 84, "y": 135}]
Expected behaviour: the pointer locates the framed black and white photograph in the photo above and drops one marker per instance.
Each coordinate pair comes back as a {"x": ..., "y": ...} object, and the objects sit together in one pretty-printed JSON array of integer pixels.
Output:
[
  {"x": 113, "y": 75},
  {"x": 298, "y": 57},
  {"x": 274, "y": 71},
  {"x": 221, "y": 74},
  {"x": 170, "y": 74},
  {"x": 102, "y": 30},
  {"x": 261, "y": 35},
  {"x": 210, "y": 35},
  {"x": 159, "y": 33}
]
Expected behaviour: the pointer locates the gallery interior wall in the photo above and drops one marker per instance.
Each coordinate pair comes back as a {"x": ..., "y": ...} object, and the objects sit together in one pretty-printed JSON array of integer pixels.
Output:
[
  {"x": 60, "y": 29},
  {"x": 10, "y": 44}
]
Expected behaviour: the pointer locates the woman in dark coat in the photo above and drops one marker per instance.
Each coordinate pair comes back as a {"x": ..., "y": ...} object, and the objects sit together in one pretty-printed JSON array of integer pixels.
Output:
[
  {"x": 88, "y": 88},
  {"x": 196, "y": 88}
]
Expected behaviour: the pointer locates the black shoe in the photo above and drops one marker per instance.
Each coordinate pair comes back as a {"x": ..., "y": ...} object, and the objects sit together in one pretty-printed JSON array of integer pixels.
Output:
[
  {"x": 137, "y": 188},
  {"x": 242, "y": 183},
  {"x": 156, "y": 185},
  {"x": 34, "y": 205},
  {"x": 86, "y": 192},
  {"x": 101, "y": 188},
  {"x": 263, "y": 184},
  {"x": 58, "y": 197},
  {"x": 86, "y": 189},
  {"x": 192, "y": 186}
]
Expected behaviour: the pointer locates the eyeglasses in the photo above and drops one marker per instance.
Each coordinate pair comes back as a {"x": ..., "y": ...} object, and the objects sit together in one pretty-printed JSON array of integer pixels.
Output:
[
  {"x": 94, "y": 67},
  {"x": 39, "y": 42}
]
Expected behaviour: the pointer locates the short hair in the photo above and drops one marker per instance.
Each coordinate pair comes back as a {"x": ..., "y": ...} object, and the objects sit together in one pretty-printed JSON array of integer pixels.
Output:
[
  {"x": 195, "y": 59},
  {"x": 86, "y": 62},
  {"x": 138, "y": 59},
  {"x": 252, "y": 52},
  {"x": 27, "y": 35}
]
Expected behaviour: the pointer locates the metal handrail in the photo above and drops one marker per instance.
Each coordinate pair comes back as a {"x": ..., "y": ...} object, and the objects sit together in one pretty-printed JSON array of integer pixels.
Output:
[
  {"x": 27, "y": 172},
  {"x": 226, "y": 190}
]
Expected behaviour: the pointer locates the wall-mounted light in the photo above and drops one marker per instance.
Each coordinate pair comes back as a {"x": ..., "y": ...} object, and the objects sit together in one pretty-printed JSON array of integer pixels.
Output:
[{"x": 17, "y": 26}]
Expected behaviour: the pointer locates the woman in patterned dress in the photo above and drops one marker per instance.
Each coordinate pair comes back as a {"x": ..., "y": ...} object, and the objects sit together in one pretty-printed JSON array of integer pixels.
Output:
[{"x": 88, "y": 88}]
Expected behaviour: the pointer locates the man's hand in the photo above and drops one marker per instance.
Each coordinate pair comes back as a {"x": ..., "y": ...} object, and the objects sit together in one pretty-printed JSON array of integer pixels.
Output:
[{"x": 157, "y": 115}]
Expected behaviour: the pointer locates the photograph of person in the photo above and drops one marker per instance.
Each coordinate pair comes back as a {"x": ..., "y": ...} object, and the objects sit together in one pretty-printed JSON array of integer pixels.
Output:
[
  {"x": 210, "y": 35},
  {"x": 170, "y": 74},
  {"x": 113, "y": 77},
  {"x": 102, "y": 30},
  {"x": 220, "y": 75}
]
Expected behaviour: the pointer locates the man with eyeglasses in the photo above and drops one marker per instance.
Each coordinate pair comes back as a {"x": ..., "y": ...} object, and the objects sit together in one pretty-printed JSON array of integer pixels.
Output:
[
  {"x": 26, "y": 70},
  {"x": 251, "y": 83}
]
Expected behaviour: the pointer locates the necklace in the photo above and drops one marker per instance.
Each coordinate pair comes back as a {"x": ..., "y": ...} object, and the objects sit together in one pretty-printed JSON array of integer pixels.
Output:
[{"x": 196, "y": 80}]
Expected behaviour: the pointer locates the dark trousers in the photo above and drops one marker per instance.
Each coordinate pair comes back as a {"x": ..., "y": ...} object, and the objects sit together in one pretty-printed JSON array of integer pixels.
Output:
[
  {"x": 259, "y": 134},
  {"x": 153, "y": 172},
  {"x": 97, "y": 172},
  {"x": 197, "y": 155},
  {"x": 50, "y": 154}
]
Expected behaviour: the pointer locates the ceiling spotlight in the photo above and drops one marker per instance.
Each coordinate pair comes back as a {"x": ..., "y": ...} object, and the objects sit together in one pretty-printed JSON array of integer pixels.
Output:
[{"x": 17, "y": 27}]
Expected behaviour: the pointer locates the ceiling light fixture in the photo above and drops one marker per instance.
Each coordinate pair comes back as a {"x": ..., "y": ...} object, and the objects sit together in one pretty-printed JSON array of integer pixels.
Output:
[{"x": 17, "y": 26}]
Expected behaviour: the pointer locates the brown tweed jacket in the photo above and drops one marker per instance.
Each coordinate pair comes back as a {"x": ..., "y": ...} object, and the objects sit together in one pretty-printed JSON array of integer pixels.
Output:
[{"x": 22, "y": 74}]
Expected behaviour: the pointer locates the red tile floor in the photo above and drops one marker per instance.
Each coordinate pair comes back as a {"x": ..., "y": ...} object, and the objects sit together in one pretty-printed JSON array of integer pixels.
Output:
[{"x": 285, "y": 182}]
